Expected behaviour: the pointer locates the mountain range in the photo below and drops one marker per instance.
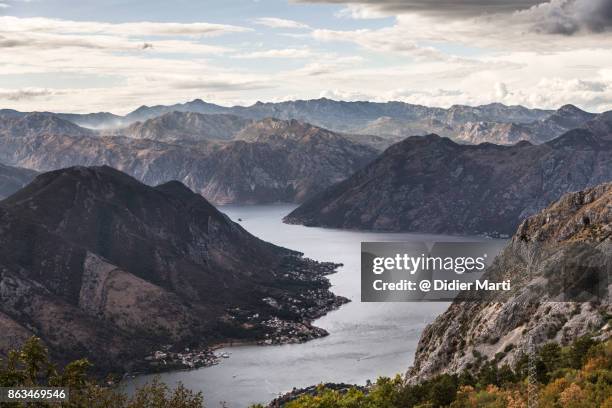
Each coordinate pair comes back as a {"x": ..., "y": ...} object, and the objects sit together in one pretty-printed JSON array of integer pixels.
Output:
[
  {"x": 99, "y": 265},
  {"x": 390, "y": 121},
  {"x": 265, "y": 161},
  {"x": 339, "y": 115},
  {"x": 432, "y": 184}
]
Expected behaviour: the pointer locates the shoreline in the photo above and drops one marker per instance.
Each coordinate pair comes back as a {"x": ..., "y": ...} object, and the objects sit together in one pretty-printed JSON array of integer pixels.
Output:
[{"x": 168, "y": 358}]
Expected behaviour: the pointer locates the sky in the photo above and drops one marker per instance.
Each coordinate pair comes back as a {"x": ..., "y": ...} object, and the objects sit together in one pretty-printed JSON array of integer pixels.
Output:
[{"x": 115, "y": 55}]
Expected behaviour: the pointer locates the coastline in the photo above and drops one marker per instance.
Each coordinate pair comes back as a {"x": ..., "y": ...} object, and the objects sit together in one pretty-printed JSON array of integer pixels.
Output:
[{"x": 169, "y": 358}]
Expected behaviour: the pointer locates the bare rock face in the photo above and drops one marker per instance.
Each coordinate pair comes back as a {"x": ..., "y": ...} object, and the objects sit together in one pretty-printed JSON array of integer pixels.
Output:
[
  {"x": 559, "y": 265},
  {"x": 431, "y": 184},
  {"x": 566, "y": 118},
  {"x": 186, "y": 126},
  {"x": 100, "y": 265},
  {"x": 273, "y": 160}
]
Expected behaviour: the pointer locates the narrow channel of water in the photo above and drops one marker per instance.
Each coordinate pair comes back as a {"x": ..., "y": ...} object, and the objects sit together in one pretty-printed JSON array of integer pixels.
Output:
[{"x": 366, "y": 340}]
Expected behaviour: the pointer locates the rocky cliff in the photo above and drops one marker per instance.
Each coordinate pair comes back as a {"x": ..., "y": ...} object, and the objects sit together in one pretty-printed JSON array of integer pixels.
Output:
[
  {"x": 559, "y": 264},
  {"x": 431, "y": 184},
  {"x": 100, "y": 265}
]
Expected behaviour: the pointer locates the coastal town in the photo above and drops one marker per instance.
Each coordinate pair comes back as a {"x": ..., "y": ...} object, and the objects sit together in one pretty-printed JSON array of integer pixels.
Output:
[{"x": 281, "y": 319}]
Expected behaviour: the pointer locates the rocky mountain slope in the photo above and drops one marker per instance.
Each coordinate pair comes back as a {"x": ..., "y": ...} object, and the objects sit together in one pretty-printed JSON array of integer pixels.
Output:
[
  {"x": 276, "y": 160},
  {"x": 431, "y": 184},
  {"x": 566, "y": 118},
  {"x": 558, "y": 263},
  {"x": 268, "y": 166},
  {"x": 186, "y": 126},
  {"x": 100, "y": 265},
  {"x": 35, "y": 124},
  {"x": 13, "y": 178}
]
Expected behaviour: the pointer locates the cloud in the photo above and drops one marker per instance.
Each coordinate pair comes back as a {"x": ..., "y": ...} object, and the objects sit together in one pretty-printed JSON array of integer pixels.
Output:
[
  {"x": 380, "y": 40},
  {"x": 145, "y": 28},
  {"x": 43, "y": 33},
  {"x": 566, "y": 17},
  {"x": 274, "y": 22},
  {"x": 360, "y": 12},
  {"x": 569, "y": 17},
  {"x": 278, "y": 53},
  {"x": 449, "y": 8},
  {"x": 212, "y": 84},
  {"x": 334, "y": 65},
  {"x": 26, "y": 94}
]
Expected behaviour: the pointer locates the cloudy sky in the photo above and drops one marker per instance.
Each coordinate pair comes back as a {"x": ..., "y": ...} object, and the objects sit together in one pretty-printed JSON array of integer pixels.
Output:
[{"x": 114, "y": 55}]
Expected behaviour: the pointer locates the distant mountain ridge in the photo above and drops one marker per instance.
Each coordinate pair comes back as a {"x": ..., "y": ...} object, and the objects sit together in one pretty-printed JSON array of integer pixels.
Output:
[
  {"x": 566, "y": 118},
  {"x": 402, "y": 119},
  {"x": 186, "y": 126},
  {"x": 494, "y": 122},
  {"x": 340, "y": 116},
  {"x": 431, "y": 184},
  {"x": 258, "y": 170}
]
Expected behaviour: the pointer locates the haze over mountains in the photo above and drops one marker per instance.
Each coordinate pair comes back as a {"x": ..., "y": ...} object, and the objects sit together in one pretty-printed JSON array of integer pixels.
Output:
[{"x": 100, "y": 265}]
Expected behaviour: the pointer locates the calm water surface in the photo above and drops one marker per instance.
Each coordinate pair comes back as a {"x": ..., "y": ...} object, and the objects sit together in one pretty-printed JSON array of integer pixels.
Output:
[{"x": 366, "y": 340}]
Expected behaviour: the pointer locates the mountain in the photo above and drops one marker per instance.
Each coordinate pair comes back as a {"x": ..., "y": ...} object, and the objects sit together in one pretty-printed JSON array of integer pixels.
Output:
[
  {"x": 276, "y": 160},
  {"x": 432, "y": 184},
  {"x": 493, "y": 112},
  {"x": 601, "y": 125},
  {"x": 34, "y": 124},
  {"x": 102, "y": 266},
  {"x": 13, "y": 178},
  {"x": 379, "y": 119},
  {"x": 492, "y": 132},
  {"x": 558, "y": 263},
  {"x": 272, "y": 167},
  {"x": 389, "y": 120},
  {"x": 397, "y": 129},
  {"x": 566, "y": 118},
  {"x": 145, "y": 112},
  {"x": 385, "y": 119},
  {"x": 186, "y": 126}
]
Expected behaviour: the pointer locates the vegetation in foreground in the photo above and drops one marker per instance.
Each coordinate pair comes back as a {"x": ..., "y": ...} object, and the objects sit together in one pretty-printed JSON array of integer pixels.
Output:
[
  {"x": 576, "y": 376},
  {"x": 31, "y": 367}
]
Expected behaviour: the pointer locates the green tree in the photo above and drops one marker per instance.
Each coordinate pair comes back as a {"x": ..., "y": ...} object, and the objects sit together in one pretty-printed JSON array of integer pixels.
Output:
[{"x": 31, "y": 367}]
